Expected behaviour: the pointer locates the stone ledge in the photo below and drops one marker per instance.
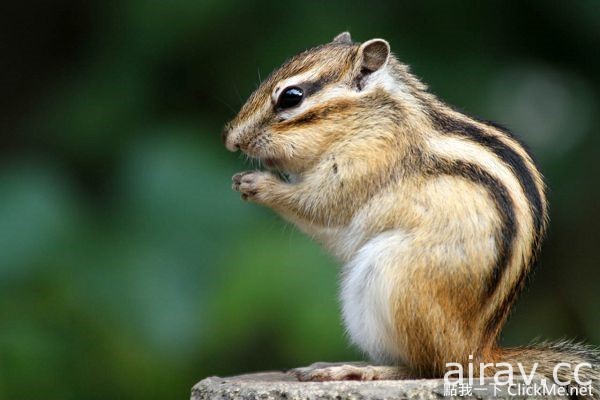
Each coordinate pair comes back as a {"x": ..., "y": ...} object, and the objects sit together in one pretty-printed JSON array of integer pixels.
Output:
[{"x": 279, "y": 386}]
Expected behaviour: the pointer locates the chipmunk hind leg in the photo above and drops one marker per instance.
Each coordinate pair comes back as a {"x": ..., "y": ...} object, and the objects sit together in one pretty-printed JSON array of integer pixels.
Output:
[{"x": 437, "y": 323}]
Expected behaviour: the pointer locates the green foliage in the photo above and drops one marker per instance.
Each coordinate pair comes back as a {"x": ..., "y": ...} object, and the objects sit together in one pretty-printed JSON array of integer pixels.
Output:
[{"x": 129, "y": 269}]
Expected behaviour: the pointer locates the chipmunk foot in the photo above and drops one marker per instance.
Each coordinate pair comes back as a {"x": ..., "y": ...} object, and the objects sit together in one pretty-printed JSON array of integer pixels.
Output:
[{"x": 357, "y": 371}]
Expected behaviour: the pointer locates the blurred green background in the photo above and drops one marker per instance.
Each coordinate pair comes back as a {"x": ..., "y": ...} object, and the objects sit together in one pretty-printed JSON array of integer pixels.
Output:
[{"x": 129, "y": 269}]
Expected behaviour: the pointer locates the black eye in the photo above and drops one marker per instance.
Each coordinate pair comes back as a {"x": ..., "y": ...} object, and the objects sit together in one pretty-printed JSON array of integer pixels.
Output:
[{"x": 290, "y": 97}]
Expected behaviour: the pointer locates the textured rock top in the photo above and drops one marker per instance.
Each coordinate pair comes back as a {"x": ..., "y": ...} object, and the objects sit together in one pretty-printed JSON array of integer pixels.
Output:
[{"x": 279, "y": 386}]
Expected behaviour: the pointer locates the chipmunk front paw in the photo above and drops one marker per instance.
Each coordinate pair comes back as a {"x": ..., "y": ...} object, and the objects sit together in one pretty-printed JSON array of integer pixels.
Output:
[{"x": 252, "y": 184}]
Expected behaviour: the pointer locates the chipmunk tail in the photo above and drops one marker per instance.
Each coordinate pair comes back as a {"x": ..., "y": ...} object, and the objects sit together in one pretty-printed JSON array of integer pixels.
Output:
[{"x": 567, "y": 363}]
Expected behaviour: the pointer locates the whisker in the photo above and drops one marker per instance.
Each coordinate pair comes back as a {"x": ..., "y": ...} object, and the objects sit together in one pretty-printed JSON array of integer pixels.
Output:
[
  {"x": 237, "y": 92},
  {"x": 227, "y": 105}
]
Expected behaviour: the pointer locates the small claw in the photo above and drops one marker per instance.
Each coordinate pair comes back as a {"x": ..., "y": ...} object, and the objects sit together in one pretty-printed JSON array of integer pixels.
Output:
[{"x": 237, "y": 178}]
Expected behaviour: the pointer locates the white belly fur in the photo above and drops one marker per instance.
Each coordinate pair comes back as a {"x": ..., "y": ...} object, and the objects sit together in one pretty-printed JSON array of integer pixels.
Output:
[{"x": 367, "y": 288}]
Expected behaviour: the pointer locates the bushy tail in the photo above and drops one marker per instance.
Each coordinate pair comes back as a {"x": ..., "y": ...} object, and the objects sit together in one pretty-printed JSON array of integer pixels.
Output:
[{"x": 568, "y": 361}]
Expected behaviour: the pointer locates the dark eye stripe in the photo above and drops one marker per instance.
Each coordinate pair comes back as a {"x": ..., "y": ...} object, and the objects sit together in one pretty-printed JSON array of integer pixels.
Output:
[
  {"x": 313, "y": 87},
  {"x": 307, "y": 88}
]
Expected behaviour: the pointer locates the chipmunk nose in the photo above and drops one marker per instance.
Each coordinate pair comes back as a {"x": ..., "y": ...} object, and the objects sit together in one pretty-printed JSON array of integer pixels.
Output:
[{"x": 230, "y": 141}]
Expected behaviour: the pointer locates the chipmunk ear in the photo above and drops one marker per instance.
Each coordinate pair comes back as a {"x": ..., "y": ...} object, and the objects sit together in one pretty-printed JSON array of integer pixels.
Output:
[
  {"x": 343, "y": 37},
  {"x": 375, "y": 54}
]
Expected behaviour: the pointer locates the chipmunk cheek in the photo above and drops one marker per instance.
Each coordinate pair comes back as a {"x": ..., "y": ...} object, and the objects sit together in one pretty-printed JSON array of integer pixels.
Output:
[{"x": 256, "y": 145}]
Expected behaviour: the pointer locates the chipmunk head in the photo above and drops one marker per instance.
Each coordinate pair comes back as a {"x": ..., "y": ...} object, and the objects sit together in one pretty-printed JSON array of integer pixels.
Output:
[{"x": 314, "y": 100}]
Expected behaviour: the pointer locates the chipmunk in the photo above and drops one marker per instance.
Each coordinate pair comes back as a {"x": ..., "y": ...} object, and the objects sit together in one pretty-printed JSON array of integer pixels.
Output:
[{"x": 437, "y": 217}]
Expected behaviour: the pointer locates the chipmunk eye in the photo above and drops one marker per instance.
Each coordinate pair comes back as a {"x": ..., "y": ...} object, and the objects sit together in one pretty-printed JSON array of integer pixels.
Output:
[{"x": 290, "y": 97}]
